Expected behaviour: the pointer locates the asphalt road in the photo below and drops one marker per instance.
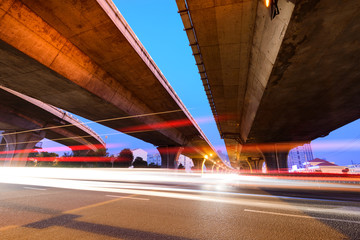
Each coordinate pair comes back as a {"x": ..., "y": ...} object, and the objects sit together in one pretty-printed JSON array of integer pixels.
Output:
[{"x": 116, "y": 204}]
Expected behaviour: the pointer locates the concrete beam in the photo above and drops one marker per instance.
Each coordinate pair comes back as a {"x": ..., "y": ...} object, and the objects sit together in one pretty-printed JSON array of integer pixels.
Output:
[
  {"x": 56, "y": 52},
  {"x": 235, "y": 45},
  {"x": 22, "y": 113},
  {"x": 267, "y": 39},
  {"x": 314, "y": 85},
  {"x": 83, "y": 54}
]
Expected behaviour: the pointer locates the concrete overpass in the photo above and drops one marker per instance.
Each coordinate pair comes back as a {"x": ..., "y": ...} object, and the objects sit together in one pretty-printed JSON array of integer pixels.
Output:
[
  {"x": 83, "y": 57},
  {"x": 276, "y": 83},
  {"x": 25, "y": 121}
]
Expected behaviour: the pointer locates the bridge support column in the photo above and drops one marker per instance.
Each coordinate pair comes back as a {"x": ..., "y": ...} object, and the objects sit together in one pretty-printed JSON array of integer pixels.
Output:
[
  {"x": 3, "y": 150},
  {"x": 262, "y": 166},
  {"x": 169, "y": 155},
  {"x": 18, "y": 147},
  {"x": 198, "y": 163},
  {"x": 276, "y": 157},
  {"x": 255, "y": 163}
]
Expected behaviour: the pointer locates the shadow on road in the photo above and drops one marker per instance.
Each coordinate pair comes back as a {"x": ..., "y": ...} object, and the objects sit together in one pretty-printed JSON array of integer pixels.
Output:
[{"x": 69, "y": 221}]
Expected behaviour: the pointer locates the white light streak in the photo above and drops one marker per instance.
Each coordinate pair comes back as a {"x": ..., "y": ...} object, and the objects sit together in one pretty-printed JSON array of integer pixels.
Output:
[
  {"x": 31, "y": 188},
  {"x": 135, "y": 198}
]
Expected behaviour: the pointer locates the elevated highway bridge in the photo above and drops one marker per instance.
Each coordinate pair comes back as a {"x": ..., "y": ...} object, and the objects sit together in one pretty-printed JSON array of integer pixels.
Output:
[
  {"x": 25, "y": 121},
  {"x": 279, "y": 80},
  {"x": 83, "y": 57}
]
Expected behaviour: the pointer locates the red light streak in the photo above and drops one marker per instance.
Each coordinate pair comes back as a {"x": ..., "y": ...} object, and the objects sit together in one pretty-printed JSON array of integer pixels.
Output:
[
  {"x": 164, "y": 125},
  {"x": 63, "y": 149}
]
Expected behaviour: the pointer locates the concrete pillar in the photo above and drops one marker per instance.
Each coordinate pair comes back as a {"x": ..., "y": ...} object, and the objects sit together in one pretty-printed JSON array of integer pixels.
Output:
[
  {"x": 256, "y": 163},
  {"x": 276, "y": 157},
  {"x": 3, "y": 151},
  {"x": 169, "y": 155},
  {"x": 198, "y": 163},
  {"x": 208, "y": 164},
  {"x": 18, "y": 147},
  {"x": 262, "y": 166}
]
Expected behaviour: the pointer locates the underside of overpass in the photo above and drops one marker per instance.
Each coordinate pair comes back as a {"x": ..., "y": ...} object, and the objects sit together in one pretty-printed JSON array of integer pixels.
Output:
[
  {"x": 25, "y": 121},
  {"x": 83, "y": 57},
  {"x": 274, "y": 84}
]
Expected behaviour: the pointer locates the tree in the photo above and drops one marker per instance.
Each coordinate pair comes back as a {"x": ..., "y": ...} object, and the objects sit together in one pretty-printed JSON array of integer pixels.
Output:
[
  {"x": 43, "y": 159},
  {"x": 124, "y": 158},
  {"x": 139, "y": 163},
  {"x": 100, "y": 158},
  {"x": 51, "y": 154},
  {"x": 67, "y": 154},
  {"x": 101, "y": 152},
  {"x": 34, "y": 154},
  {"x": 153, "y": 165}
]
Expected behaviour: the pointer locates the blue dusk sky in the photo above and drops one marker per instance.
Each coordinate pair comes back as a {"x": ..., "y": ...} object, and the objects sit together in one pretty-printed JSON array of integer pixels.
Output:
[{"x": 159, "y": 27}]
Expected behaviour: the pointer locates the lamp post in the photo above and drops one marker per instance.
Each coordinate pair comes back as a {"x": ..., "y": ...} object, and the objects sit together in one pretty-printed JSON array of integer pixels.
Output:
[
  {"x": 212, "y": 169},
  {"x": 202, "y": 166}
]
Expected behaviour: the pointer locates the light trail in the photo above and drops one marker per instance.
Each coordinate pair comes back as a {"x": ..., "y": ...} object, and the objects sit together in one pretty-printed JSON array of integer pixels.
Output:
[
  {"x": 129, "y": 130},
  {"x": 180, "y": 186},
  {"x": 268, "y": 147},
  {"x": 38, "y": 189},
  {"x": 96, "y": 121},
  {"x": 135, "y": 198},
  {"x": 165, "y": 125},
  {"x": 64, "y": 148}
]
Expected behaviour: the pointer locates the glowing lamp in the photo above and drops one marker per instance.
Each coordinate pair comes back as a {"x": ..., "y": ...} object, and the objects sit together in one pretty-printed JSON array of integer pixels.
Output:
[{"x": 267, "y": 3}]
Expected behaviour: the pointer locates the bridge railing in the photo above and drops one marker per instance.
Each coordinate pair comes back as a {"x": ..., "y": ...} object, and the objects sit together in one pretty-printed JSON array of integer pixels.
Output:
[
  {"x": 79, "y": 122},
  {"x": 154, "y": 68}
]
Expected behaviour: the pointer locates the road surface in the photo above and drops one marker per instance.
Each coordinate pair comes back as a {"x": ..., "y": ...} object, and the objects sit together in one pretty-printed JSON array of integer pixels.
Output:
[{"x": 54, "y": 203}]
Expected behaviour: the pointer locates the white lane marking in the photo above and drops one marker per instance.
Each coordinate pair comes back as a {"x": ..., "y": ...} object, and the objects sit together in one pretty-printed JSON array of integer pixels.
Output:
[
  {"x": 31, "y": 188},
  {"x": 300, "y": 216},
  {"x": 135, "y": 198}
]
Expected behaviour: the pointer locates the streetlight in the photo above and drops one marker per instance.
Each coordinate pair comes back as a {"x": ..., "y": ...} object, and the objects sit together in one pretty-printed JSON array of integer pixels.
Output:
[
  {"x": 212, "y": 169},
  {"x": 267, "y": 3},
  {"x": 202, "y": 166}
]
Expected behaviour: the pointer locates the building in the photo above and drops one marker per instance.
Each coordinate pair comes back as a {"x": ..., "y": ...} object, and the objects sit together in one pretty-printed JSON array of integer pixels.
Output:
[
  {"x": 299, "y": 156},
  {"x": 323, "y": 166},
  {"x": 186, "y": 162},
  {"x": 154, "y": 159},
  {"x": 138, "y": 152}
]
